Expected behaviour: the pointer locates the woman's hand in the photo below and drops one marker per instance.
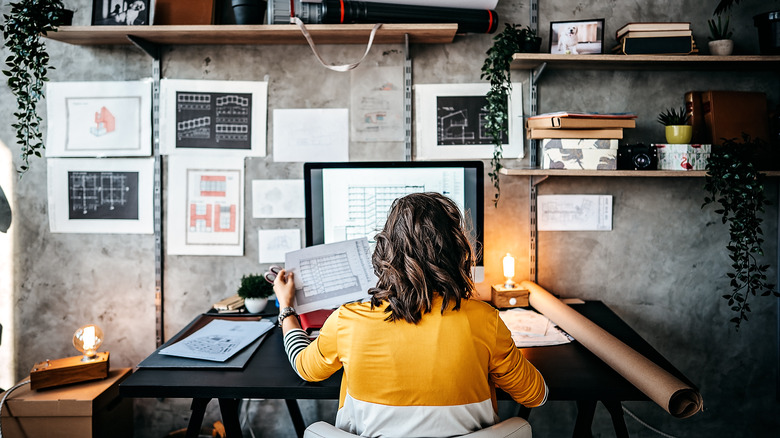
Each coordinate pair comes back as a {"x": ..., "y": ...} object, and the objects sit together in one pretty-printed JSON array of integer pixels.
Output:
[{"x": 284, "y": 288}]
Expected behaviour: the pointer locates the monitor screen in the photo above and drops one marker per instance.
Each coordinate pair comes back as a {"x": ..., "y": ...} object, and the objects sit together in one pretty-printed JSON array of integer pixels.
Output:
[{"x": 351, "y": 200}]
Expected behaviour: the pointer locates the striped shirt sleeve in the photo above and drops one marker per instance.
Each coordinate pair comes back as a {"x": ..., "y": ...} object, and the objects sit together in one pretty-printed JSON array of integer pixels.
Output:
[{"x": 294, "y": 342}]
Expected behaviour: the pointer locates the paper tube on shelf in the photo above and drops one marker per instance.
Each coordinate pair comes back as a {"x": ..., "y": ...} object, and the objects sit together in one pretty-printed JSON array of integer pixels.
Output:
[{"x": 675, "y": 396}]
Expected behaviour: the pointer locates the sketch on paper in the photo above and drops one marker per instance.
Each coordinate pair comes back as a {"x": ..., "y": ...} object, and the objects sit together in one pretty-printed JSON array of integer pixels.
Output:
[
  {"x": 103, "y": 195},
  {"x": 377, "y": 103},
  {"x": 205, "y": 205},
  {"x": 94, "y": 119},
  {"x": 574, "y": 212},
  {"x": 461, "y": 120},
  {"x": 274, "y": 198},
  {"x": 274, "y": 244},
  {"x": 100, "y": 195},
  {"x": 317, "y": 134},
  {"x": 225, "y": 117},
  {"x": 218, "y": 340}
]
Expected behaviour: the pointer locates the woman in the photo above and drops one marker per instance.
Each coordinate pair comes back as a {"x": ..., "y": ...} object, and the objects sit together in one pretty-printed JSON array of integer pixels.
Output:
[{"x": 421, "y": 358}]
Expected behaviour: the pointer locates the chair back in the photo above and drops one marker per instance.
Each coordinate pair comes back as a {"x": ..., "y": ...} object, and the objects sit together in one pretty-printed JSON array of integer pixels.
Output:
[{"x": 514, "y": 427}]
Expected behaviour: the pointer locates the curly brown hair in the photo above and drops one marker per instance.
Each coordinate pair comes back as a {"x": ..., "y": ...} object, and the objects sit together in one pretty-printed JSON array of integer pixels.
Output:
[{"x": 423, "y": 250}]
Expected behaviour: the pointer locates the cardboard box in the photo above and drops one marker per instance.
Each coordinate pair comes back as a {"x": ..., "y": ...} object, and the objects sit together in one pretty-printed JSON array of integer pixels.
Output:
[
  {"x": 581, "y": 154},
  {"x": 683, "y": 156},
  {"x": 88, "y": 409}
]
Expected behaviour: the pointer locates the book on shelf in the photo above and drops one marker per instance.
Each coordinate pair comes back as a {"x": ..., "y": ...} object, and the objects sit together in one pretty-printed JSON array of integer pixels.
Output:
[
  {"x": 557, "y": 122},
  {"x": 730, "y": 114},
  {"x": 229, "y": 304},
  {"x": 585, "y": 115},
  {"x": 655, "y": 33},
  {"x": 679, "y": 45},
  {"x": 695, "y": 112},
  {"x": 652, "y": 26},
  {"x": 595, "y": 133}
]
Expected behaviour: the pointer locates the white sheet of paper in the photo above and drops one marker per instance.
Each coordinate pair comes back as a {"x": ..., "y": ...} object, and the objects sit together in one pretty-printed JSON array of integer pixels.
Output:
[
  {"x": 278, "y": 198},
  {"x": 101, "y": 195},
  {"x": 218, "y": 340},
  {"x": 205, "y": 205},
  {"x": 320, "y": 134},
  {"x": 332, "y": 274},
  {"x": 574, "y": 212},
  {"x": 272, "y": 245},
  {"x": 377, "y": 103},
  {"x": 531, "y": 329}
]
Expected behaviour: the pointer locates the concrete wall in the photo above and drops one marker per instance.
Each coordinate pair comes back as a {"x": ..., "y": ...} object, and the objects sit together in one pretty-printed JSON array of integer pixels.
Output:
[{"x": 662, "y": 268}]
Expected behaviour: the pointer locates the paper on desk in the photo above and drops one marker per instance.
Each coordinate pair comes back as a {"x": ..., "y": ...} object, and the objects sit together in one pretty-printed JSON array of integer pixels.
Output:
[
  {"x": 218, "y": 340},
  {"x": 530, "y": 329},
  {"x": 329, "y": 275}
]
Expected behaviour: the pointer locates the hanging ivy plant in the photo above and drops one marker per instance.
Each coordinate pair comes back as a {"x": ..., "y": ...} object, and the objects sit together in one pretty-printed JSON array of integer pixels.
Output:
[
  {"x": 496, "y": 70},
  {"x": 734, "y": 182},
  {"x": 28, "y": 65}
]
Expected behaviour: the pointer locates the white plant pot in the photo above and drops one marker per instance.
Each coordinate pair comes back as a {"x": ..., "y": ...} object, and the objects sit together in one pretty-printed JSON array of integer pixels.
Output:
[
  {"x": 721, "y": 47},
  {"x": 255, "y": 305}
]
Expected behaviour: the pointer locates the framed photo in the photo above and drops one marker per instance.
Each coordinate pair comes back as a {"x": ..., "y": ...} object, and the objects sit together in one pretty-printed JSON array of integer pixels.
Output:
[
  {"x": 450, "y": 122},
  {"x": 582, "y": 37},
  {"x": 207, "y": 117},
  {"x": 99, "y": 119},
  {"x": 121, "y": 12},
  {"x": 95, "y": 195}
]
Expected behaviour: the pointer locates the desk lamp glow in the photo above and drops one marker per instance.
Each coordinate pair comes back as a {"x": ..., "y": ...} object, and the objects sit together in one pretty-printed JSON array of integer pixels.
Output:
[
  {"x": 92, "y": 365},
  {"x": 508, "y": 294}
]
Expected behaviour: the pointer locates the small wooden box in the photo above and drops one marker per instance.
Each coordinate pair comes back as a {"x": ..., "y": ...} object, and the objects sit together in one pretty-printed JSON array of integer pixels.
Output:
[
  {"x": 67, "y": 370},
  {"x": 507, "y": 297}
]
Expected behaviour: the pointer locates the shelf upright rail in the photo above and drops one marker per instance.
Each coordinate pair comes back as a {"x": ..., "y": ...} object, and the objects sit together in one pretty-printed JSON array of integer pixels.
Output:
[
  {"x": 153, "y": 50},
  {"x": 534, "y": 108},
  {"x": 407, "y": 100}
]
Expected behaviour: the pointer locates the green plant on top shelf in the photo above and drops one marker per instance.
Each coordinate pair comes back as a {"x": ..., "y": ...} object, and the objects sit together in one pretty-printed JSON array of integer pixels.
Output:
[
  {"x": 672, "y": 117},
  {"x": 255, "y": 286},
  {"x": 496, "y": 70},
  {"x": 734, "y": 182},
  {"x": 719, "y": 30},
  {"x": 28, "y": 66}
]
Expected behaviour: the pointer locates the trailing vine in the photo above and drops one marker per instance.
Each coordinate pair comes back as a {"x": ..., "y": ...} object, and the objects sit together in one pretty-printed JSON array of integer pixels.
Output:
[
  {"x": 28, "y": 65},
  {"x": 495, "y": 70},
  {"x": 734, "y": 182}
]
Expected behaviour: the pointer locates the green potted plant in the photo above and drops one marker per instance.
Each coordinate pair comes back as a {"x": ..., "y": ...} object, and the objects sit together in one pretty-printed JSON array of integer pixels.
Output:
[
  {"x": 677, "y": 130},
  {"x": 734, "y": 182},
  {"x": 255, "y": 290},
  {"x": 720, "y": 42},
  {"x": 23, "y": 29},
  {"x": 496, "y": 70}
]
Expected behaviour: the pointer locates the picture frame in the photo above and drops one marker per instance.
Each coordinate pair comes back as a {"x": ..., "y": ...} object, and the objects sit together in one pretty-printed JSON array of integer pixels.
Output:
[
  {"x": 101, "y": 196},
  {"x": 122, "y": 12},
  {"x": 450, "y": 119},
  {"x": 99, "y": 119},
  {"x": 579, "y": 37},
  {"x": 201, "y": 117}
]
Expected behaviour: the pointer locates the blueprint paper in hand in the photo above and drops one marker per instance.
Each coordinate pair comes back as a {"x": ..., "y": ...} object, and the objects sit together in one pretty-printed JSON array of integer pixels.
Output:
[
  {"x": 218, "y": 340},
  {"x": 329, "y": 275}
]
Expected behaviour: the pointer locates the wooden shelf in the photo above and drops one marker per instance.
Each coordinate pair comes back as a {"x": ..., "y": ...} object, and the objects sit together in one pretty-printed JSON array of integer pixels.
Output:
[
  {"x": 436, "y": 33},
  {"x": 614, "y": 173},
  {"x": 646, "y": 62}
]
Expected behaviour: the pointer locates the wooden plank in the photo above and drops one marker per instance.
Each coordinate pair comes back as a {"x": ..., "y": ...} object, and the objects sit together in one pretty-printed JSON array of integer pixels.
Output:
[
  {"x": 615, "y": 173},
  {"x": 436, "y": 33},
  {"x": 646, "y": 62}
]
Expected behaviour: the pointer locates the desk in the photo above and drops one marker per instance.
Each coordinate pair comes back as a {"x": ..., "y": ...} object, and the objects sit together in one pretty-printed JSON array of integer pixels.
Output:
[{"x": 571, "y": 372}]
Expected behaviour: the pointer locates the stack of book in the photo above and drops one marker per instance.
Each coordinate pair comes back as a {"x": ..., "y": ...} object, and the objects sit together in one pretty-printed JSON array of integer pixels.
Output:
[
  {"x": 584, "y": 141},
  {"x": 655, "y": 38},
  {"x": 232, "y": 304}
]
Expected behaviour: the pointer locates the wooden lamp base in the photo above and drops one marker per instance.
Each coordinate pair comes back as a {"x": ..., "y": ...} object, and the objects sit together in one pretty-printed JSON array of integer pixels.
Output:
[
  {"x": 68, "y": 370},
  {"x": 505, "y": 297}
]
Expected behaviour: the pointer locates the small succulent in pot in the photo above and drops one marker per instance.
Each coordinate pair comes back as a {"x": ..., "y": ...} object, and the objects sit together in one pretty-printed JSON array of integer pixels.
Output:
[{"x": 672, "y": 117}]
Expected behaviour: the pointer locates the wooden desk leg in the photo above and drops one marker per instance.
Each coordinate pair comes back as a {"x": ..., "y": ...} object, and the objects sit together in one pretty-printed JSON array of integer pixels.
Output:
[
  {"x": 585, "y": 411},
  {"x": 228, "y": 407},
  {"x": 618, "y": 421},
  {"x": 296, "y": 417},
  {"x": 198, "y": 409}
]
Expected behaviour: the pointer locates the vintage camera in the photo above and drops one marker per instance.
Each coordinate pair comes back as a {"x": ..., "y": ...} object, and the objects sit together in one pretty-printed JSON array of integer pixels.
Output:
[{"x": 637, "y": 157}]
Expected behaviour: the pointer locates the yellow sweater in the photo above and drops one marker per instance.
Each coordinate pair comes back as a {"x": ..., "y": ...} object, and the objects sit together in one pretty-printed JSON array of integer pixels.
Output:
[{"x": 435, "y": 378}]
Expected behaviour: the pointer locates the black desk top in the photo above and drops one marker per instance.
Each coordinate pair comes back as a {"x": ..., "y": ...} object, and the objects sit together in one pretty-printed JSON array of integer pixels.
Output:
[{"x": 570, "y": 370}]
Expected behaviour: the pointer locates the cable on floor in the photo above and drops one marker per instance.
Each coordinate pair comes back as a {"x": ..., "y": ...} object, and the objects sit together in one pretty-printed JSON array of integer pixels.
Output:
[{"x": 632, "y": 415}]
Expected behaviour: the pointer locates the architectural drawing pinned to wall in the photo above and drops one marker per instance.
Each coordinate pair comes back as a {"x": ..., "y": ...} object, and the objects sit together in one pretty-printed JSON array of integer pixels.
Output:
[
  {"x": 100, "y": 196},
  {"x": 278, "y": 198},
  {"x": 228, "y": 117},
  {"x": 205, "y": 205},
  {"x": 315, "y": 134},
  {"x": 377, "y": 104},
  {"x": 99, "y": 119},
  {"x": 272, "y": 245},
  {"x": 450, "y": 120}
]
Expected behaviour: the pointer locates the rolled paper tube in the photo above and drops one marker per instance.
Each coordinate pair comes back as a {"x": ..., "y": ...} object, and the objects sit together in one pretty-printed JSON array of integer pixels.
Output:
[{"x": 669, "y": 392}]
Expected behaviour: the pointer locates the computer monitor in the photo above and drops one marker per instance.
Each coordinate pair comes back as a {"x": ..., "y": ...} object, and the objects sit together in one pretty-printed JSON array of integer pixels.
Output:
[{"x": 352, "y": 199}]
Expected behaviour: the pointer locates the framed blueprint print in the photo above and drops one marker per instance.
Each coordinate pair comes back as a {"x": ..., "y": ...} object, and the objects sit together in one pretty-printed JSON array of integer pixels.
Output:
[
  {"x": 101, "y": 195},
  {"x": 450, "y": 122},
  {"x": 205, "y": 205},
  {"x": 223, "y": 117},
  {"x": 99, "y": 119}
]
